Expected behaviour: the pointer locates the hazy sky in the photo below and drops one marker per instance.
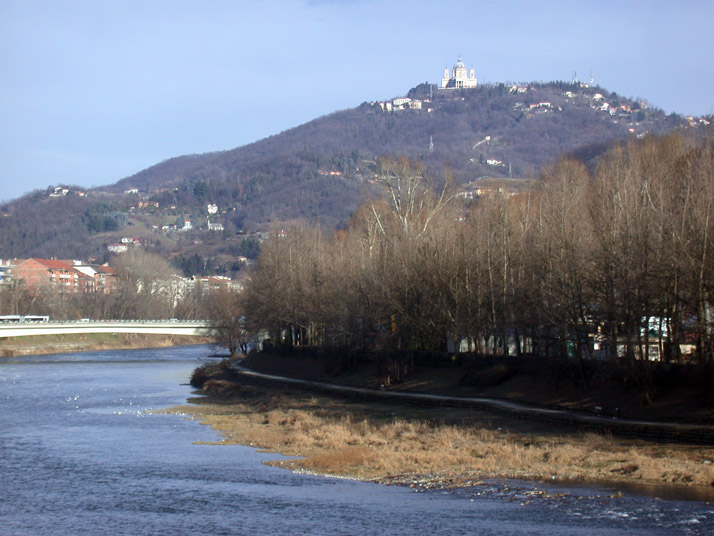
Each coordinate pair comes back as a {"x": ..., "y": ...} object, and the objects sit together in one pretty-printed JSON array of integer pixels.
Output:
[{"x": 93, "y": 91}]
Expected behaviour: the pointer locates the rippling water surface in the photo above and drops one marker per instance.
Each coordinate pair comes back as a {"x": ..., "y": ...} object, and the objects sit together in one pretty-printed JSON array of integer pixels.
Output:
[{"x": 82, "y": 452}]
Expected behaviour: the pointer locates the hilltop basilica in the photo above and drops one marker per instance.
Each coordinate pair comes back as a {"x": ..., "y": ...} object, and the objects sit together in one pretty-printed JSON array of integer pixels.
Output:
[{"x": 459, "y": 78}]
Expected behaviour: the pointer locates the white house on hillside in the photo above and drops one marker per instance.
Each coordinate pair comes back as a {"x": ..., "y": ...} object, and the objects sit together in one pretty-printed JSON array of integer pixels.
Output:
[{"x": 215, "y": 226}]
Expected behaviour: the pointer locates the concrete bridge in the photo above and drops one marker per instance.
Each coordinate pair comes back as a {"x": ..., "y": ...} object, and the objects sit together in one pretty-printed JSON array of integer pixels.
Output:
[{"x": 162, "y": 327}]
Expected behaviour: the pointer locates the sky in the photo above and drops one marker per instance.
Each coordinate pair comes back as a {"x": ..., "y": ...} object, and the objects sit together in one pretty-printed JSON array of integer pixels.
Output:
[{"x": 93, "y": 91}]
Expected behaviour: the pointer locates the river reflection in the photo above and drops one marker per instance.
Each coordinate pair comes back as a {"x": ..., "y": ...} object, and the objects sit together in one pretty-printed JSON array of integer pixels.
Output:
[{"x": 82, "y": 451}]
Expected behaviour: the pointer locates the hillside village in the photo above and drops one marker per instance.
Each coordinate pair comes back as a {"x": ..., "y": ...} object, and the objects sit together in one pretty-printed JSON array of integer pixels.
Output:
[{"x": 634, "y": 115}]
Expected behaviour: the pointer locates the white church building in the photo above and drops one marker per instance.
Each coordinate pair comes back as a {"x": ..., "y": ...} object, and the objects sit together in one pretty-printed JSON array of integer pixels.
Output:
[{"x": 459, "y": 77}]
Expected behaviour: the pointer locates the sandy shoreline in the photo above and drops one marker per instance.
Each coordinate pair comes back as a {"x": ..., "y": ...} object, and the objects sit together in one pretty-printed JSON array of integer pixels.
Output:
[{"x": 426, "y": 448}]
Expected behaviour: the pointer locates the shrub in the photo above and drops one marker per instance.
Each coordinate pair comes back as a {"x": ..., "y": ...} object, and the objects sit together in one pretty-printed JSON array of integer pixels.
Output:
[{"x": 200, "y": 376}]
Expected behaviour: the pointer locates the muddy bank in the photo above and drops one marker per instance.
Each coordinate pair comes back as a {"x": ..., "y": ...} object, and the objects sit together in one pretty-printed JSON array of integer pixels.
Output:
[
  {"x": 58, "y": 344},
  {"x": 432, "y": 447}
]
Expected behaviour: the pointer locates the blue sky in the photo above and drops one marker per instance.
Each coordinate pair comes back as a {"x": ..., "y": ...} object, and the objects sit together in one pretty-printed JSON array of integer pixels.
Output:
[{"x": 93, "y": 91}]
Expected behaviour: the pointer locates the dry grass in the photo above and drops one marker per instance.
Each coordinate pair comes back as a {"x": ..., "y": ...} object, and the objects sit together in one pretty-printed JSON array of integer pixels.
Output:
[{"x": 367, "y": 442}]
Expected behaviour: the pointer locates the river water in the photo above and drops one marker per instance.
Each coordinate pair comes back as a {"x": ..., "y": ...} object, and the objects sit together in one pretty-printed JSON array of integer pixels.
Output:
[{"x": 83, "y": 451}]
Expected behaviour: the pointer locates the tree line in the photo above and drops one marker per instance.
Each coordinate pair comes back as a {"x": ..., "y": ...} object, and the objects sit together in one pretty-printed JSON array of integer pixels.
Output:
[{"x": 594, "y": 261}]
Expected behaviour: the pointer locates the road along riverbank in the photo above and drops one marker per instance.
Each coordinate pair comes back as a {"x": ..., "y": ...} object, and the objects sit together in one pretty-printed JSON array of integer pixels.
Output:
[{"x": 392, "y": 442}]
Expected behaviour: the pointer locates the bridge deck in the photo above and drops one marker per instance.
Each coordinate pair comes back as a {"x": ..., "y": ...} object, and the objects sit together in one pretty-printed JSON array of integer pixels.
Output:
[{"x": 201, "y": 328}]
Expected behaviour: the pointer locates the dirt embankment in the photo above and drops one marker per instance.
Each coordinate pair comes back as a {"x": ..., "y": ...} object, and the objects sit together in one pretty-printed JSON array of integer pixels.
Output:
[
  {"x": 60, "y": 344},
  {"x": 435, "y": 447}
]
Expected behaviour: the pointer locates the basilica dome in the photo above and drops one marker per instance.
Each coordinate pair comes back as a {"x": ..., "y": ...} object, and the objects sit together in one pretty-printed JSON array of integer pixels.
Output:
[{"x": 460, "y": 77}]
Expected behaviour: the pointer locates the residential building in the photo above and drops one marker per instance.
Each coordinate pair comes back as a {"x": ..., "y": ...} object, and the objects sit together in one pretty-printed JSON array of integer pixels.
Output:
[
  {"x": 6, "y": 268},
  {"x": 51, "y": 273},
  {"x": 215, "y": 226},
  {"x": 118, "y": 248},
  {"x": 60, "y": 274},
  {"x": 217, "y": 282},
  {"x": 104, "y": 277},
  {"x": 59, "y": 192},
  {"x": 131, "y": 241}
]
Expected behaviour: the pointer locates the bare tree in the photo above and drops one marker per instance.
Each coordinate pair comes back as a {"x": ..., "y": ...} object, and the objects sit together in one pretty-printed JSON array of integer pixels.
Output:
[
  {"x": 226, "y": 312},
  {"x": 148, "y": 286},
  {"x": 616, "y": 248}
]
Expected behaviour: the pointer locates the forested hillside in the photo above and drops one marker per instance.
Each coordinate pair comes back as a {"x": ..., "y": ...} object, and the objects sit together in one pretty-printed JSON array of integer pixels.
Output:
[
  {"x": 525, "y": 129},
  {"x": 321, "y": 171}
]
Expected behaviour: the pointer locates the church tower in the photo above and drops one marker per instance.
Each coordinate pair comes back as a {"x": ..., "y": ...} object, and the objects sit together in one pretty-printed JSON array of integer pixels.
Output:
[{"x": 445, "y": 79}]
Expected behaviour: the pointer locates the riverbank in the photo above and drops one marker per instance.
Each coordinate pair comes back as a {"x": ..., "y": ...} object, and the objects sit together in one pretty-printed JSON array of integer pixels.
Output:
[
  {"x": 432, "y": 447},
  {"x": 59, "y": 344}
]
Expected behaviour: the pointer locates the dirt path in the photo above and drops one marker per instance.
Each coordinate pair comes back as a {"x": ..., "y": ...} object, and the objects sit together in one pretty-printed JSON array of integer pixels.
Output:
[{"x": 651, "y": 430}]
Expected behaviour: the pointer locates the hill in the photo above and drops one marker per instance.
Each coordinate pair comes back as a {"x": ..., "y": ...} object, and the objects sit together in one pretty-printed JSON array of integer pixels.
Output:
[
  {"x": 490, "y": 130},
  {"x": 323, "y": 169}
]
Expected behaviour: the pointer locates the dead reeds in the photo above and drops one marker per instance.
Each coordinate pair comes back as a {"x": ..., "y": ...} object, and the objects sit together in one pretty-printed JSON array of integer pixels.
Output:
[{"x": 369, "y": 443}]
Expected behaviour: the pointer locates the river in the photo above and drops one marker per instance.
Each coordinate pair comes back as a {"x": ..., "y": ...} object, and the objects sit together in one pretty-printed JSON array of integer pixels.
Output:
[{"x": 83, "y": 450}]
